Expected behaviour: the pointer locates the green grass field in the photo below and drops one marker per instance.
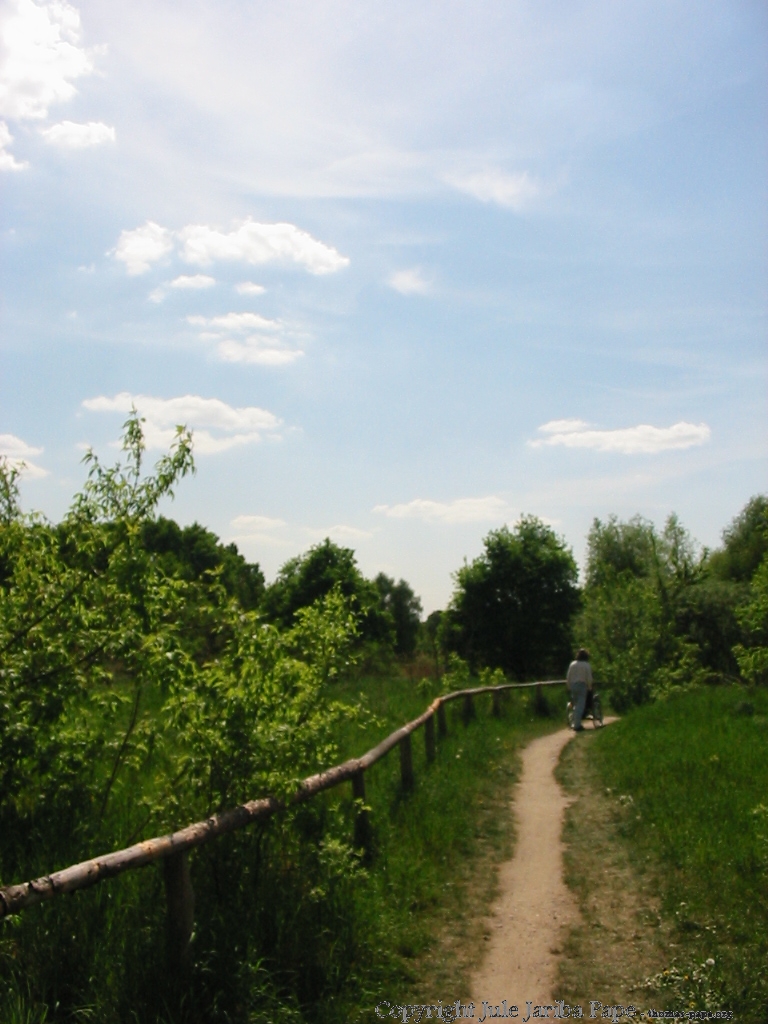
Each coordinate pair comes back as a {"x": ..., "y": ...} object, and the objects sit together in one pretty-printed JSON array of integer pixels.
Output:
[{"x": 690, "y": 777}]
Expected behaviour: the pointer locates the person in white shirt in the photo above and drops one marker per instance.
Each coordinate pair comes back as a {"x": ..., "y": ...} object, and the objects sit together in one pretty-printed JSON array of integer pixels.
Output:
[{"x": 579, "y": 681}]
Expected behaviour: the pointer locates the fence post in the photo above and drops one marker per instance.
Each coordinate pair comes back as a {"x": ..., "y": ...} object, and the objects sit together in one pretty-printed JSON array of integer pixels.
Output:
[
  {"x": 180, "y": 905},
  {"x": 442, "y": 725},
  {"x": 406, "y": 763},
  {"x": 469, "y": 709},
  {"x": 429, "y": 738},
  {"x": 362, "y": 824},
  {"x": 496, "y": 709}
]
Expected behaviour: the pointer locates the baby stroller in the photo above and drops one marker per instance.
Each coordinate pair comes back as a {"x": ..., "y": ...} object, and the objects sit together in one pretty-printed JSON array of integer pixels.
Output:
[{"x": 593, "y": 710}]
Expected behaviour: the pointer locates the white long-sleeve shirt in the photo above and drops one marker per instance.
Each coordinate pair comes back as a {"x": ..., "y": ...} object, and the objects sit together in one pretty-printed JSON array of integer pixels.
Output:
[{"x": 579, "y": 672}]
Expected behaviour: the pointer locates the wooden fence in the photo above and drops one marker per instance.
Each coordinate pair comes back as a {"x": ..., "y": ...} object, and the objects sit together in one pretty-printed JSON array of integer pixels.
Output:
[{"x": 173, "y": 849}]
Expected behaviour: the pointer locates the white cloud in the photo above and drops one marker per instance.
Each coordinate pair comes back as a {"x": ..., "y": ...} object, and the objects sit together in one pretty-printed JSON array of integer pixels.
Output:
[
  {"x": 236, "y": 322},
  {"x": 642, "y": 439},
  {"x": 261, "y": 351},
  {"x": 41, "y": 57},
  {"x": 256, "y": 524},
  {"x": 340, "y": 532},
  {"x": 461, "y": 510},
  {"x": 17, "y": 454},
  {"x": 409, "y": 282},
  {"x": 249, "y": 288},
  {"x": 249, "y": 243},
  {"x": 494, "y": 186},
  {"x": 139, "y": 248},
  {"x": 8, "y": 161},
  {"x": 193, "y": 281},
  {"x": 71, "y": 135},
  {"x": 234, "y": 426},
  {"x": 258, "y": 244},
  {"x": 258, "y": 349}
]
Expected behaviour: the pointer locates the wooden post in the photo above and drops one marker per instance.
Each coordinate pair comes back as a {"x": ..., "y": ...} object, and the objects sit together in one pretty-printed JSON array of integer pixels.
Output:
[
  {"x": 496, "y": 709},
  {"x": 180, "y": 904},
  {"x": 429, "y": 738},
  {"x": 469, "y": 709},
  {"x": 406, "y": 763},
  {"x": 442, "y": 725},
  {"x": 362, "y": 824}
]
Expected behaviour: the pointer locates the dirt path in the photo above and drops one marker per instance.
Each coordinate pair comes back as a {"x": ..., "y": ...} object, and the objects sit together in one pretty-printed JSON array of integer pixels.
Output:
[{"x": 534, "y": 905}]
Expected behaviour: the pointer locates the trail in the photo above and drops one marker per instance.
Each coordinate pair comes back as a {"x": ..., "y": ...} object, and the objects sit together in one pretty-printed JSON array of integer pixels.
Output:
[{"x": 529, "y": 918}]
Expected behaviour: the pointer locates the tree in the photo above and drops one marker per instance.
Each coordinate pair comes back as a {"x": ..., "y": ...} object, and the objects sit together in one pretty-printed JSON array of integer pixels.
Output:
[
  {"x": 195, "y": 553},
  {"x": 512, "y": 607},
  {"x": 745, "y": 543},
  {"x": 404, "y": 608},
  {"x": 307, "y": 578}
]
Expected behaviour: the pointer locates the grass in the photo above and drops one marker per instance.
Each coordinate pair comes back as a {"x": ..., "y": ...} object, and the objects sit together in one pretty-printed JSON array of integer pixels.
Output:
[
  {"x": 291, "y": 925},
  {"x": 687, "y": 781}
]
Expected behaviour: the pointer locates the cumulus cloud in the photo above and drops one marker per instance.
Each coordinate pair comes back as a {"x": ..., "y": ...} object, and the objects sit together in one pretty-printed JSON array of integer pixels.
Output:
[
  {"x": 236, "y": 322},
  {"x": 194, "y": 281},
  {"x": 17, "y": 454},
  {"x": 256, "y": 524},
  {"x": 8, "y": 161},
  {"x": 249, "y": 288},
  {"x": 258, "y": 349},
  {"x": 513, "y": 191},
  {"x": 263, "y": 530},
  {"x": 42, "y": 57},
  {"x": 341, "y": 532},
  {"x": 231, "y": 426},
  {"x": 461, "y": 510},
  {"x": 248, "y": 243},
  {"x": 140, "y": 248},
  {"x": 409, "y": 282},
  {"x": 640, "y": 440},
  {"x": 258, "y": 244},
  {"x": 70, "y": 135}
]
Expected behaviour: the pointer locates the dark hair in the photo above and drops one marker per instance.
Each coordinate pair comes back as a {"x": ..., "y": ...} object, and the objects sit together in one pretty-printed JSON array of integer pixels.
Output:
[{"x": 582, "y": 654}]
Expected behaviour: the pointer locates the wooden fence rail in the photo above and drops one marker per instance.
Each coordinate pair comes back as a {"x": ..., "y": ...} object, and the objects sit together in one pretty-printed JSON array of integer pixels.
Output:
[{"x": 173, "y": 848}]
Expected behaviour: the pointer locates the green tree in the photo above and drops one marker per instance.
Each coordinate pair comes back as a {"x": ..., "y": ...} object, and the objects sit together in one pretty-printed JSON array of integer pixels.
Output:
[
  {"x": 745, "y": 543},
  {"x": 404, "y": 608},
  {"x": 195, "y": 553},
  {"x": 307, "y": 578},
  {"x": 513, "y": 606}
]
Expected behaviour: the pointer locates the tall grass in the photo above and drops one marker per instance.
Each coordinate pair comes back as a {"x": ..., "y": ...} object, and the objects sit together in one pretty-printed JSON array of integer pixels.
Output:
[
  {"x": 291, "y": 924},
  {"x": 690, "y": 775}
]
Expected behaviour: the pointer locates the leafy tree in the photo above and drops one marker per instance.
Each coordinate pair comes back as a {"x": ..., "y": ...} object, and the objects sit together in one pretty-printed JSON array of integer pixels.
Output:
[
  {"x": 195, "y": 553},
  {"x": 307, "y": 578},
  {"x": 752, "y": 654},
  {"x": 404, "y": 608},
  {"x": 656, "y": 613},
  {"x": 512, "y": 607},
  {"x": 745, "y": 543}
]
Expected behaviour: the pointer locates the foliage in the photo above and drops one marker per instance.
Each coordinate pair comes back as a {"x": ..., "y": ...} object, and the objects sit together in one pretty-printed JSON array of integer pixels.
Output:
[
  {"x": 194, "y": 553},
  {"x": 401, "y": 604},
  {"x": 654, "y": 615},
  {"x": 658, "y": 614},
  {"x": 752, "y": 654},
  {"x": 512, "y": 607},
  {"x": 745, "y": 543},
  {"x": 309, "y": 577}
]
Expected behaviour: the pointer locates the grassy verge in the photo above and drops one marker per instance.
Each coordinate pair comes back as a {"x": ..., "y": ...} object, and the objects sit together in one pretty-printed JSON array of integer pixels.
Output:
[
  {"x": 671, "y": 803},
  {"x": 290, "y": 924}
]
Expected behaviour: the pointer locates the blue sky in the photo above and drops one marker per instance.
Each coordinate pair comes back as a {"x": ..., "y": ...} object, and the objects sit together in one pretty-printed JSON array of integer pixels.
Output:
[{"x": 408, "y": 270}]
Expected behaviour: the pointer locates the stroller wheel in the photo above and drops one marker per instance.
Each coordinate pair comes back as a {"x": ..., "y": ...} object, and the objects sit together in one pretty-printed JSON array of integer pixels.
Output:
[{"x": 597, "y": 713}]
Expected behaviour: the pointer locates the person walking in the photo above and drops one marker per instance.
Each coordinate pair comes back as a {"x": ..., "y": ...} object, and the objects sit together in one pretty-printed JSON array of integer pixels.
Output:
[{"x": 579, "y": 681}]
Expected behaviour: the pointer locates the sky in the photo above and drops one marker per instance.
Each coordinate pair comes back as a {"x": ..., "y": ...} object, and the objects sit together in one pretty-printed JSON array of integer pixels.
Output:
[{"x": 408, "y": 270}]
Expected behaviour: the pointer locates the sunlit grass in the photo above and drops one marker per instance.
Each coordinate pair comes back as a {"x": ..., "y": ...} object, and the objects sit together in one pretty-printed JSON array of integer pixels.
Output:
[{"x": 690, "y": 775}]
